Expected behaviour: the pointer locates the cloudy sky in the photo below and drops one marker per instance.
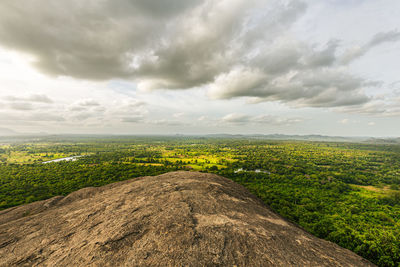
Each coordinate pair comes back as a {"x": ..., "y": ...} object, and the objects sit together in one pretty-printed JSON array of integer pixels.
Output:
[{"x": 200, "y": 66}]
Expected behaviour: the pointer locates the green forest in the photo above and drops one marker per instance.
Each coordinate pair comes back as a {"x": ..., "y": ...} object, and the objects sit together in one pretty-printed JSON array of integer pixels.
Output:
[{"x": 347, "y": 193}]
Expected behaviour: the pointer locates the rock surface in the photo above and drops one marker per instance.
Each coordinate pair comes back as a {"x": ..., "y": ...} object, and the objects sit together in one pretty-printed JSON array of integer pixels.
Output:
[{"x": 174, "y": 219}]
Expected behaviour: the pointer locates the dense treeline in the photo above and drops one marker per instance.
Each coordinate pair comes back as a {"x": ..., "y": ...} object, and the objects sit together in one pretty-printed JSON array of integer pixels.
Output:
[
  {"x": 334, "y": 211},
  {"x": 27, "y": 183},
  {"x": 346, "y": 193}
]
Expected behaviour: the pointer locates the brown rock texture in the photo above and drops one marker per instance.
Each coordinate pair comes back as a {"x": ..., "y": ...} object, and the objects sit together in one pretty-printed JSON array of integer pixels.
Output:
[{"x": 174, "y": 219}]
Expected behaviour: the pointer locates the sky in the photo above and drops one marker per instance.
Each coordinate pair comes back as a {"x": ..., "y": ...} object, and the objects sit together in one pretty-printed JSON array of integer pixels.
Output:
[{"x": 200, "y": 67}]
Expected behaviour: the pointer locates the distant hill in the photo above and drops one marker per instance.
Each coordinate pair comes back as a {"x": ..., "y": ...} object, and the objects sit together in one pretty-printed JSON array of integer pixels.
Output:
[
  {"x": 393, "y": 140},
  {"x": 7, "y": 135},
  {"x": 313, "y": 137},
  {"x": 175, "y": 219}
]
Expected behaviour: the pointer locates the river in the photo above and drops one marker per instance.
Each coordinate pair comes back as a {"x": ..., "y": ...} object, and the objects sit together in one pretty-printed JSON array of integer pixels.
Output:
[{"x": 73, "y": 158}]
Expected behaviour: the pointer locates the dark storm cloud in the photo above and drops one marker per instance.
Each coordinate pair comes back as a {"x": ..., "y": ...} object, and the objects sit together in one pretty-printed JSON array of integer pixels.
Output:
[
  {"x": 86, "y": 39},
  {"x": 235, "y": 48}
]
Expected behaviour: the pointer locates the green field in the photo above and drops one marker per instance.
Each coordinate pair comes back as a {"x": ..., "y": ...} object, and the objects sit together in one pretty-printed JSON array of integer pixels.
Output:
[{"x": 343, "y": 192}]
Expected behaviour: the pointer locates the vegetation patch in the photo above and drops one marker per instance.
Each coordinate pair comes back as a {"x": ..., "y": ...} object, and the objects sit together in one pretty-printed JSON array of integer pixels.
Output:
[{"x": 346, "y": 193}]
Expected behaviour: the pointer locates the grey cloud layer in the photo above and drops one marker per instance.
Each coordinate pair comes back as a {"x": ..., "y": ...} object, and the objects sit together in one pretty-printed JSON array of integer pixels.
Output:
[
  {"x": 239, "y": 119},
  {"x": 234, "y": 48},
  {"x": 31, "y": 98},
  {"x": 25, "y": 103},
  {"x": 41, "y": 108},
  {"x": 86, "y": 39},
  {"x": 379, "y": 38}
]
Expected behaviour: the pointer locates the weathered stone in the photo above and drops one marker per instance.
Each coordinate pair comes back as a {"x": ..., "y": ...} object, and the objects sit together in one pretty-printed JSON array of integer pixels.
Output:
[{"x": 174, "y": 219}]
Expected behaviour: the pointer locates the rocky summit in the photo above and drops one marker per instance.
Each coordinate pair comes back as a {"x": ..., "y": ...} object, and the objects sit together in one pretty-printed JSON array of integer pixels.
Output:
[{"x": 174, "y": 219}]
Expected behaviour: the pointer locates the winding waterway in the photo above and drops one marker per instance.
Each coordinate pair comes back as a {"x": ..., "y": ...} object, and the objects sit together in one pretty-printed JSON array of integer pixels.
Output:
[{"x": 73, "y": 158}]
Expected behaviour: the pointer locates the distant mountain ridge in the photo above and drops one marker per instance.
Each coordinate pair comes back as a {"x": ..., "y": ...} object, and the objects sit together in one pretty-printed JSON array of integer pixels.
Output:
[
  {"x": 9, "y": 135},
  {"x": 394, "y": 140},
  {"x": 312, "y": 137}
]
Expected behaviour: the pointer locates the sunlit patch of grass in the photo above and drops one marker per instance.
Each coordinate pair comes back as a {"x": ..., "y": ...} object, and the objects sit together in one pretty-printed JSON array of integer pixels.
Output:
[
  {"x": 195, "y": 167},
  {"x": 149, "y": 164},
  {"x": 374, "y": 191},
  {"x": 22, "y": 157}
]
